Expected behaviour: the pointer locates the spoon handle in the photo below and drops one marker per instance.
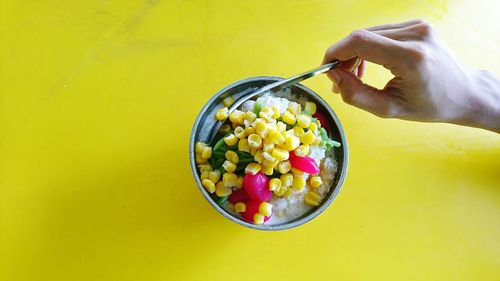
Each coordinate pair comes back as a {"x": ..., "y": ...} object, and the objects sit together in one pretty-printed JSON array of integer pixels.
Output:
[
  {"x": 274, "y": 87},
  {"x": 280, "y": 85}
]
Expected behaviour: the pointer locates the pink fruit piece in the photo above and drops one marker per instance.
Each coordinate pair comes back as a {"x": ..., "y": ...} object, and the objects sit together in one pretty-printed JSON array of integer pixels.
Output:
[
  {"x": 252, "y": 209},
  {"x": 304, "y": 164},
  {"x": 323, "y": 120},
  {"x": 257, "y": 187},
  {"x": 239, "y": 195}
]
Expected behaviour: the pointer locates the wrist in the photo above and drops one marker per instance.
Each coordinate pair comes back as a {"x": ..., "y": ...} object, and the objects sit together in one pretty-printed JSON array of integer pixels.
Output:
[{"x": 483, "y": 108}]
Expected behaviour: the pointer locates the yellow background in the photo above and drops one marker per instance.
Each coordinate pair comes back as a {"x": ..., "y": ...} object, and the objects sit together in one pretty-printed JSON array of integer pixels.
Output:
[{"x": 97, "y": 100}]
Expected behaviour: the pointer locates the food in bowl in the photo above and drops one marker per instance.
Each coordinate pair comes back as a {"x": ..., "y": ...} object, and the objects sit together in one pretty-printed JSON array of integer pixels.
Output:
[{"x": 272, "y": 160}]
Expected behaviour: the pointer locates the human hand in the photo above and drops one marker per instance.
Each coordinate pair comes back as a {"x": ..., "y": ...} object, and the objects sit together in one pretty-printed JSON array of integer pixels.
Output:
[{"x": 430, "y": 84}]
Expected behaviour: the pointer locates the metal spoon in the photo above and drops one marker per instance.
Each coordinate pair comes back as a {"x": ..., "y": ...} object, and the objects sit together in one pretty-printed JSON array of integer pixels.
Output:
[{"x": 274, "y": 87}]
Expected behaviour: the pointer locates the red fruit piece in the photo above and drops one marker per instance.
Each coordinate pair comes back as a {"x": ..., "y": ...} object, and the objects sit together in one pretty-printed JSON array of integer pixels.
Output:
[
  {"x": 252, "y": 209},
  {"x": 240, "y": 195},
  {"x": 257, "y": 187},
  {"x": 304, "y": 164},
  {"x": 323, "y": 120}
]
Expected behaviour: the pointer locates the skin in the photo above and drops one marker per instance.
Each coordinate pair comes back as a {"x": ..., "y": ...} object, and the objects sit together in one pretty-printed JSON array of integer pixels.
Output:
[{"x": 430, "y": 83}]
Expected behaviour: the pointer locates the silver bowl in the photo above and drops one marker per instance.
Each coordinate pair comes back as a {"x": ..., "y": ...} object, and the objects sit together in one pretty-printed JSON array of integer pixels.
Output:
[{"x": 205, "y": 121}]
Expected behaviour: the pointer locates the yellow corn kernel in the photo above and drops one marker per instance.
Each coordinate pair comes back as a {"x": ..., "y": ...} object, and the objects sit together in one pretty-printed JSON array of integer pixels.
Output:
[
  {"x": 298, "y": 131},
  {"x": 292, "y": 142},
  {"x": 312, "y": 198},
  {"x": 258, "y": 157},
  {"x": 222, "y": 190},
  {"x": 268, "y": 170},
  {"x": 304, "y": 120},
  {"x": 254, "y": 141},
  {"x": 302, "y": 150},
  {"x": 267, "y": 156},
  {"x": 198, "y": 148},
  {"x": 281, "y": 191},
  {"x": 214, "y": 176},
  {"x": 272, "y": 125},
  {"x": 281, "y": 146},
  {"x": 224, "y": 129},
  {"x": 288, "y": 118},
  {"x": 308, "y": 137},
  {"x": 296, "y": 173},
  {"x": 276, "y": 112},
  {"x": 228, "y": 101},
  {"x": 294, "y": 108},
  {"x": 317, "y": 140},
  {"x": 258, "y": 121},
  {"x": 284, "y": 167},
  {"x": 239, "y": 132},
  {"x": 249, "y": 131},
  {"x": 268, "y": 147},
  {"x": 259, "y": 124},
  {"x": 280, "y": 154},
  {"x": 315, "y": 181},
  {"x": 232, "y": 156},
  {"x": 239, "y": 183},
  {"x": 313, "y": 127},
  {"x": 205, "y": 167},
  {"x": 234, "y": 125},
  {"x": 286, "y": 180},
  {"x": 243, "y": 145},
  {"x": 310, "y": 107},
  {"x": 222, "y": 113},
  {"x": 299, "y": 183},
  {"x": 200, "y": 160},
  {"x": 253, "y": 151},
  {"x": 229, "y": 179},
  {"x": 204, "y": 175},
  {"x": 266, "y": 163},
  {"x": 246, "y": 123},
  {"x": 266, "y": 209},
  {"x": 274, "y": 184},
  {"x": 208, "y": 185},
  {"x": 236, "y": 116},
  {"x": 289, "y": 133},
  {"x": 230, "y": 206},
  {"x": 288, "y": 193},
  {"x": 266, "y": 113},
  {"x": 262, "y": 130},
  {"x": 229, "y": 166},
  {"x": 281, "y": 126},
  {"x": 240, "y": 207},
  {"x": 250, "y": 116},
  {"x": 252, "y": 168},
  {"x": 231, "y": 140},
  {"x": 207, "y": 153},
  {"x": 275, "y": 136},
  {"x": 258, "y": 219}
]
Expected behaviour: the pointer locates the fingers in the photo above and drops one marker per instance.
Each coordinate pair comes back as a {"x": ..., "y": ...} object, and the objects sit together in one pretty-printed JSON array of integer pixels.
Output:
[
  {"x": 361, "y": 69},
  {"x": 353, "y": 65},
  {"x": 349, "y": 64},
  {"x": 414, "y": 32},
  {"x": 354, "y": 92},
  {"x": 402, "y": 34},
  {"x": 396, "y": 25},
  {"x": 368, "y": 46}
]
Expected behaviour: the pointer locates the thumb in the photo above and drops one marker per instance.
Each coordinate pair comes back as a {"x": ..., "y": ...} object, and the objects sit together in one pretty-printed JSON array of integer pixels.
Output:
[{"x": 354, "y": 92}]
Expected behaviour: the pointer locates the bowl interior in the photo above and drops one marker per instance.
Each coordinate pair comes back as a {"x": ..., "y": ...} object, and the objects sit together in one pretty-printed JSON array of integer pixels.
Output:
[{"x": 205, "y": 121}]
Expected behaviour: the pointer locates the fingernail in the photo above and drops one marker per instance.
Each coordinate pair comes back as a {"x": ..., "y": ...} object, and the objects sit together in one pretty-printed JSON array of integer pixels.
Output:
[{"x": 335, "y": 88}]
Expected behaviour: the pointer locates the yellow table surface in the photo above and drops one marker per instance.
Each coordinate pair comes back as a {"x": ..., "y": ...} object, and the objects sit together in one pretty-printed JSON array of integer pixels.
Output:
[{"x": 97, "y": 101}]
